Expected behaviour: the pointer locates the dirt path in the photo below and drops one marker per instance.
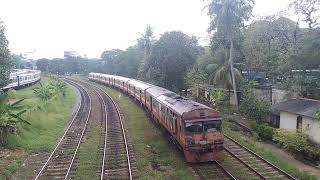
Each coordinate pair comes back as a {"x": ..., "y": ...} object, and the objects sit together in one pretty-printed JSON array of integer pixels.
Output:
[{"x": 290, "y": 159}]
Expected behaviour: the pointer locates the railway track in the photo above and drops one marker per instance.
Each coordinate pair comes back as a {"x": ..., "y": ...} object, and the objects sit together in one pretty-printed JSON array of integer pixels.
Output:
[
  {"x": 96, "y": 109},
  {"x": 61, "y": 159},
  {"x": 118, "y": 155},
  {"x": 211, "y": 170},
  {"x": 260, "y": 168}
]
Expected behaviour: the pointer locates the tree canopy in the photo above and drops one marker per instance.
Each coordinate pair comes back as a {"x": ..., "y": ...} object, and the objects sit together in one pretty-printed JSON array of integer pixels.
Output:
[
  {"x": 171, "y": 56},
  {"x": 5, "y": 57}
]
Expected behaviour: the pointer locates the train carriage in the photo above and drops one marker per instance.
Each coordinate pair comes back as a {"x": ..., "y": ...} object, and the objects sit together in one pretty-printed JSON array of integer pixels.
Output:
[
  {"x": 137, "y": 89},
  {"x": 121, "y": 83},
  {"x": 22, "y": 77},
  {"x": 195, "y": 127}
]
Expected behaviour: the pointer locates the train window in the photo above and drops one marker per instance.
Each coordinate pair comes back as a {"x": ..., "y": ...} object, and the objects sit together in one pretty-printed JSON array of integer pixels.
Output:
[
  {"x": 195, "y": 127},
  {"x": 212, "y": 126},
  {"x": 206, "y": 126}
]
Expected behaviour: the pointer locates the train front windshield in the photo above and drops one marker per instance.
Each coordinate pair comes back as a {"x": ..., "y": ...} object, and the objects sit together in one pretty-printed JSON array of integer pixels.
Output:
[{"x": 203, "y": 126}]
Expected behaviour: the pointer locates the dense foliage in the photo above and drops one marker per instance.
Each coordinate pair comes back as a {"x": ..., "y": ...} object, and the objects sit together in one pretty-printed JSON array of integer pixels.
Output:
[
  {"x": 10, "y": 117},
  {"x": 264, "y": 131},
  {"x": 252, "y": 107},
  {"x": 171, "y": 56},
  {"x": 5, "y": 58},
  {"x": 47, "y": 91}
]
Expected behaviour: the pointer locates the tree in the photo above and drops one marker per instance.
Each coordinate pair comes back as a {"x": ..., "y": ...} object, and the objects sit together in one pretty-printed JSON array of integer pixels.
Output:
[
  {"x": 146, "y": 40},
  {"x": 171, "y": 56},
  {"x": 145, "y": 43},
  {"x": 43, "y": 64},
  {"x": 228, "y": 16},
  {"x": 109, "y": 59},
  {"x": 129, "y": 62},
  {"x": 203, "y": 67},
  {"x": 309, "y": 9},
  {"x": 5, "y": 58},
  {"x": 270, "y": 43}
]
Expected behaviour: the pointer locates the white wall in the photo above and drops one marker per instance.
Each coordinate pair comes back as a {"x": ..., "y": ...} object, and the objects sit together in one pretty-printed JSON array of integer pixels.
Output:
[
  {"x": 309, "y": 125},
  {"x": 312, "y": 128},
  {"x": 288, "y": 120}
]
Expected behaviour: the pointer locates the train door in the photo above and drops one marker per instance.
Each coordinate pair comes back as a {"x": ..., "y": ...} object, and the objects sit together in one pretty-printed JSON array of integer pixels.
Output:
[
  {"x": 174, "y": 123},
  {"x": 151, "y": 104},
  {"x": 134, "y": 92}
]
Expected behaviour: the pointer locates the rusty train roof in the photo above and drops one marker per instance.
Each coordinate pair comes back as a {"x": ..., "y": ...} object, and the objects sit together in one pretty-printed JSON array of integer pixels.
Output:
[
  {"x": 157, "y": 91},
  {"x": 174, "y": 101},
  {"x": 180, "y": 104}
]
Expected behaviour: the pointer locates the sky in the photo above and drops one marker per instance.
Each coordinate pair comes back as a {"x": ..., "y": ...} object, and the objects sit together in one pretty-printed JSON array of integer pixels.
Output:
[{"x": 47, "y": 28}]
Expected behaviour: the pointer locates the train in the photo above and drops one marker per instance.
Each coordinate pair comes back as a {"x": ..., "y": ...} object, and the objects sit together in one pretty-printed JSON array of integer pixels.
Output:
[
  {"x": 22, "y": 77},
  {"x": 194, "y": 127}
]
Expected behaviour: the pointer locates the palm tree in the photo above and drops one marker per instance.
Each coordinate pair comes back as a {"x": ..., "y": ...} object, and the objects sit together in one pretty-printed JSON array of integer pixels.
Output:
[
  {"x": 10, "y": 117},
  {"x": 145, "y": 43},
  {"x": 146, "y": 40},
  {"x": 223, "y": 77},
  {"x": 220, "y": 72}
]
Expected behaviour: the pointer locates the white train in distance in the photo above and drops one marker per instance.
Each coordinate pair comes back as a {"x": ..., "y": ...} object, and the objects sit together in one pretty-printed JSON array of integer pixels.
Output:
[{"x": 22, "y": 77}]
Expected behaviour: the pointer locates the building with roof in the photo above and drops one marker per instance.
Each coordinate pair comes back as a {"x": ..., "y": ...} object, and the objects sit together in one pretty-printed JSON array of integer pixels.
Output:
[{"x": 299, "y": 113}]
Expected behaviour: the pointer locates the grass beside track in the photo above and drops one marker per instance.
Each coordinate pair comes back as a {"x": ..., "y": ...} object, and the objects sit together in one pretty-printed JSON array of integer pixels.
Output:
[
  {"x": 265, "y": 153},
  {"x": 156, "y": 158},
  {"x": 88, "y": 155},
  {"x": 48, "y": 121}
]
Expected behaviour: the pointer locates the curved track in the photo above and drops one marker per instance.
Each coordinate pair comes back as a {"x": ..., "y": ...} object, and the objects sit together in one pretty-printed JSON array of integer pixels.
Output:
[
  {"x": 114, "y": 157},
  {"x": 117, "y": 158},
  {"x": 259, "y": 167},
  {"x": 61, "y": 159}
]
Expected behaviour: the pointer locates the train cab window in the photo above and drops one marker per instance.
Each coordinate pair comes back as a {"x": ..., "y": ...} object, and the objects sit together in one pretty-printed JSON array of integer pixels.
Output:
[
  {"x": 212, "y": 126},
  {"x": 203, "y": 127},
  {"x": 194, "y": 127}
]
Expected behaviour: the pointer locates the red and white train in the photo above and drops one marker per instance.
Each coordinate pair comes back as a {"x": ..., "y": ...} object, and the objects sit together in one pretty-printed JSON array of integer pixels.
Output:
[{"x": 194, "y": 126}]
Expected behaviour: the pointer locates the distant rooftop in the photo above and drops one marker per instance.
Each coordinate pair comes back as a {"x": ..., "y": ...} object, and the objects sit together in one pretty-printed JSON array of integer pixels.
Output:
[{"x": 301, "y": 106}]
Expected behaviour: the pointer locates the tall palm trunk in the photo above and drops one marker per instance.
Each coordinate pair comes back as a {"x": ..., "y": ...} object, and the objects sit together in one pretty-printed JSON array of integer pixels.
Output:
[{"x": 232, "y": 75}]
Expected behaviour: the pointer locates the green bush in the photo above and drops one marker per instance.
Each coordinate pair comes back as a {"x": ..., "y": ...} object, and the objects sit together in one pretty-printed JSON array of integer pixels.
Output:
[
  {"x": 218, "y": 97},
  {"x": 264, "y": 131},
  {"x": 10, "y": 117},
  {"x": 252, "y": 107},
  {"x": 44, "y": 92},
  {"x": 295, "y": 141}
]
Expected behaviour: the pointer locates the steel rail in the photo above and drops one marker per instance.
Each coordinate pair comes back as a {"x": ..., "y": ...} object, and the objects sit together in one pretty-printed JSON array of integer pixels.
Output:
[
  {"x": 106, "y": 134},
  {"x": 82, "y": 133},
  {"x": 225, "y": 171},
  {"x": 261, "y": 158},
  {"x": 54, "y": 150},
  {"x": 122, "y": 127},
  {"x": 245, "y": 164}
]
